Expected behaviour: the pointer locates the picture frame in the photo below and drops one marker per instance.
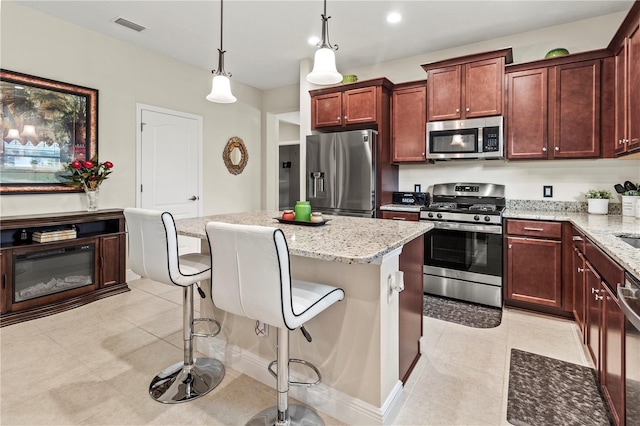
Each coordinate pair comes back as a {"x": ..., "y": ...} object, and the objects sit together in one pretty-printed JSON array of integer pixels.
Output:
[{"x": 45, "y": 125}]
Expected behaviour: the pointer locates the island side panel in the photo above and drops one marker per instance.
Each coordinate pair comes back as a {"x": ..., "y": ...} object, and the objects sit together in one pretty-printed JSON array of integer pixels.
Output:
[{"x": 355, "y": 341}]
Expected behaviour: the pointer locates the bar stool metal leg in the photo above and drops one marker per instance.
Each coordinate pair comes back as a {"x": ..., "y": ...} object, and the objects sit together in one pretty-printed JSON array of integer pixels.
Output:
[
  {"x": 284, "y": 414},
  {"x": 192, "y": 378}
]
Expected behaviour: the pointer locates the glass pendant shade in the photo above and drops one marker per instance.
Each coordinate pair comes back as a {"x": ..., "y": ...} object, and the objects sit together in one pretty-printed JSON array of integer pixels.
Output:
[
  {"x": 324, "y": 68},
  {"x": 221, "y": 90}
]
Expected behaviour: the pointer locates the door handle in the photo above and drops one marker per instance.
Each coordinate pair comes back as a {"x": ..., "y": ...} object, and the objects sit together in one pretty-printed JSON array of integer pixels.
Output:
[
  {"x": 194, "y": 198},
  {"x": 529, "y": 228}
]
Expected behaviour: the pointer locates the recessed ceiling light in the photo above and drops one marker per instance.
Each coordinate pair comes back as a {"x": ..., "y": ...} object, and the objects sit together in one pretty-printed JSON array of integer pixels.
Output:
[
  {"x": 394, "y": 17},
  {"x": 314, "y": 40}
]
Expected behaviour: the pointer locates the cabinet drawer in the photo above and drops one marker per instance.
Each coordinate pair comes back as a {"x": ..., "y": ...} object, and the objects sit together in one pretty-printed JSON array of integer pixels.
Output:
[
  {"x": 607, "y": 268},
  {"x": 534, "y": 228},
  {"x": 386, "y": 214}
]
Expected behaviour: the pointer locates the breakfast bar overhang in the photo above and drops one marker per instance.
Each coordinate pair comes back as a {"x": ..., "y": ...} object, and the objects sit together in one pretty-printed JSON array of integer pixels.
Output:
[{"x": 355, "y": 344}]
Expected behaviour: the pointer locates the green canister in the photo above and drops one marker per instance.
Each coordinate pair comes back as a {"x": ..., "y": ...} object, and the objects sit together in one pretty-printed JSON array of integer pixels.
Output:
[{"x": 303, "y": 211}]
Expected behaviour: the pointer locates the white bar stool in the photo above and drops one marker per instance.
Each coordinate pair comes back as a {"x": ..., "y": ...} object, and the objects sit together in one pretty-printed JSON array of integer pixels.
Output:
[
  {"x": 251, "y": 277},
  {"x": 153, "y": 253}
]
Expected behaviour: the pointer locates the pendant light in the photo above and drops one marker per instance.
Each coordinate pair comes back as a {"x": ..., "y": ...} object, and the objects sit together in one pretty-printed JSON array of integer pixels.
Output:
[
  {"x": 324, "y": 64},
  {"x": 221, "y": 86}
]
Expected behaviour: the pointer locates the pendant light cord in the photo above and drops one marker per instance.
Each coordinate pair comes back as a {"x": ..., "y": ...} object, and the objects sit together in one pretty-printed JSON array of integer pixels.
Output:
[
  {"x": 325, "y": 31},
  {"x": 220, "y": 70}
]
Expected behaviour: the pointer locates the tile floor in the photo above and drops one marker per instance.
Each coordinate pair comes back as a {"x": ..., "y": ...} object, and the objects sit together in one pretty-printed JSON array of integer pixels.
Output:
[{"x": 92, "y": 366}]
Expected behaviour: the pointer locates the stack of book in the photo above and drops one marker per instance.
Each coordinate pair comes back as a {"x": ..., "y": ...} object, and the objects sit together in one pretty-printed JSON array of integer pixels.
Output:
[{"x": 57, "y": 235}]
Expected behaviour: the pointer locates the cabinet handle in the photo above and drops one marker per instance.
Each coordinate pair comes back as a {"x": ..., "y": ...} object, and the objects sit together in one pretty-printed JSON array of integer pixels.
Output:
[
  {"x": 576, "y": 238},
  {"x": 468, "y": 109},
  {"x": 399, "y": 218},
  {"x": 338, "y": 118},
  {"x": 345, "y": 118},
  {"x": 557, "y": 148},
  {"x": 509, "y": 245},
  {"x": 580, "y": 269},
  {"x": 528, "y": 228},
  {"x": 544, "y": 149},
  {"x": 599, "y": 297},
  {"x": 621, "y": 142},
  {"x": 457, "y": 109},
  {"x": 593, "y": 290}
]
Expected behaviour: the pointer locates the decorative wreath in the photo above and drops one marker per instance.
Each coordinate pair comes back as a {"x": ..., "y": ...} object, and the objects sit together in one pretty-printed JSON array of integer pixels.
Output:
[{"x": 233, "y": 143}]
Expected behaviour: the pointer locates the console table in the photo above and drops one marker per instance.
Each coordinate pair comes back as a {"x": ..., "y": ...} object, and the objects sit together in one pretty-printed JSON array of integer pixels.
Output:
[{"x": 82, "y": 259}]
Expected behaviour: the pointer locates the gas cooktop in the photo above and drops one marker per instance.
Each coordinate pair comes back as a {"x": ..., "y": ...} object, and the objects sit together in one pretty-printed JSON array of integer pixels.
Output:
[{"x": 466, "y": 202}]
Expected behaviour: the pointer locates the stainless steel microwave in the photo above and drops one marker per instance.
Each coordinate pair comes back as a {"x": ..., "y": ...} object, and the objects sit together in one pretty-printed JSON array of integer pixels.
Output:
[{"x": 476, "y": 138}]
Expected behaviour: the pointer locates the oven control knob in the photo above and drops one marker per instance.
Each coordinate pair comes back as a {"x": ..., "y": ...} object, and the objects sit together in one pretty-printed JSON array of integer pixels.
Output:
[
  {"x": 476, "y": 217},
  {"x": 487, "y": 218},
  {"x": 439, "y": 215},
  {"x": 430, "y": 214}
]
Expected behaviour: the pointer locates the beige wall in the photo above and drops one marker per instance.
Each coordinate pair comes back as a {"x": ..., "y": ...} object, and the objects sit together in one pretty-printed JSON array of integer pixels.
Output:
[
  {"x": 524, "y": 179},
  {"x": 37, "y": 44}
]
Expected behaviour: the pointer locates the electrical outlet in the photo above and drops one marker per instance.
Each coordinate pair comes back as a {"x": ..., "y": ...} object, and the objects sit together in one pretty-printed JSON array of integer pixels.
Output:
[{"x": 547, "y": 191}]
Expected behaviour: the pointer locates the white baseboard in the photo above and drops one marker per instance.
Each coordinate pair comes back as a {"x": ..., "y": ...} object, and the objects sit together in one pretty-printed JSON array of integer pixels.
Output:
[
  {"x": 131, "y": 275},
  {"x": 332, "y": 402}
]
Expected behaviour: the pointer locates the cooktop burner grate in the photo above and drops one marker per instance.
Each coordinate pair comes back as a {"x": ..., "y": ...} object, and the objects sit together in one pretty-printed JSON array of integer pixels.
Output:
[{"x": 483, "y": 207}]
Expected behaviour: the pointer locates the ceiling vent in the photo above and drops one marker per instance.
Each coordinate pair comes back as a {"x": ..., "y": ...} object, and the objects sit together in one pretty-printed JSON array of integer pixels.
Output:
[{"x": 129, "y": 24}]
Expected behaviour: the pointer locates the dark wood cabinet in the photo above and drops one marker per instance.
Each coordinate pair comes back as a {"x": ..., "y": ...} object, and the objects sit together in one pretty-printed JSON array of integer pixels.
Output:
[
  {"x": 579, "y": 311},
  {"x": 408, "y": 122},
  {"x": 59, "y": 275},
  {"x": 527, "y": 114},
  {"x": 613, "y": 353},
  {"x": 410, "y": 306},
  {"x": 594, "y": 316},
  {"x": 396, "y": 215},
  {"x": 575, "y": 92},
  {"x": 356, "y": 105},
  {"x": 605, "y": 326},
  {"x": 466, "y": 87},
  {"x": 554, "y": 108},
  {"x": 533, "y": 253},
  {"x": 626, "y": 48}
]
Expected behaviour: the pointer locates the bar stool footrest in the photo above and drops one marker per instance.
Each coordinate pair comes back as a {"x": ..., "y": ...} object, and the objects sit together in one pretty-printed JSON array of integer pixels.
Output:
[
  {"x": 210, "y": 320},
  {"x": 297, "y": 361}
]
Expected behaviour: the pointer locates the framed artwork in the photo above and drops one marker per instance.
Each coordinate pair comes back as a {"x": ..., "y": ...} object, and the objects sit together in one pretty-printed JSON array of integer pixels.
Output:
[{"x": 45, "y": 125}]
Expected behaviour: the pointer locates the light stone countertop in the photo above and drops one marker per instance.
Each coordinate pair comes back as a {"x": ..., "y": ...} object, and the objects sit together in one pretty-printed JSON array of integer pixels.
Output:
[
  {"x": 342, "y": 239},
  {"x": 401, "y": 208},
  {"x": 601, "y": 229}
]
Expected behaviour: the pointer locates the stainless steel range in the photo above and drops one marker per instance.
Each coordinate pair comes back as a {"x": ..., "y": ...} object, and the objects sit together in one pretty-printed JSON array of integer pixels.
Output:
[{"x": 463, "y": 254}]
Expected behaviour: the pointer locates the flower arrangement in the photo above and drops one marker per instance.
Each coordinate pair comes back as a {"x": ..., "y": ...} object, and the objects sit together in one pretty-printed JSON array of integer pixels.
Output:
[
  {"x": 87, "y": 174},
  {"x": 598, "y": 194}
]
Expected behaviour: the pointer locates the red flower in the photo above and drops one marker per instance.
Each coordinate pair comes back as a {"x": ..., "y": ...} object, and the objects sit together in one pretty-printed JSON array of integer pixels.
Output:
[
  {"x": 87, "y": 164},
  {"x": 108, "y": 164},
  {"x": 76, "y": 164}
]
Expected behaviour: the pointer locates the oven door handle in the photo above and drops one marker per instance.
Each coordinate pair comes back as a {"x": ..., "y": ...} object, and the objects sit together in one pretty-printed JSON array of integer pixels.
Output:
[
  {"x": 628, "y": 311},
  {"x": 469, "y": 227}
]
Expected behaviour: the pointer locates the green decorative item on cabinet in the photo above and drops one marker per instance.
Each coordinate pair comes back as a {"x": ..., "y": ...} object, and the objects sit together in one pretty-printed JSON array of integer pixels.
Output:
[
  {"x": 556, "y": 52},
  {"x": 349, "y": 78},
  {"x": 303, "y": 211}
]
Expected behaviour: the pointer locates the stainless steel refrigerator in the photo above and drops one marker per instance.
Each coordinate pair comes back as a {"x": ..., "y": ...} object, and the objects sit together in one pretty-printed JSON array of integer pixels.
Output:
[{"x": 341, "y": 172}]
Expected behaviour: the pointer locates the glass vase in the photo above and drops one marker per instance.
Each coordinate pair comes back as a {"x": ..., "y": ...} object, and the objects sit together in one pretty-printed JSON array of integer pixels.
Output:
[{"x": 92, "y": 198}]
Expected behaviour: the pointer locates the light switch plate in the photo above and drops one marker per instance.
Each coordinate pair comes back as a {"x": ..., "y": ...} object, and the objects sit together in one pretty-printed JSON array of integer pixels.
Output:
[{"x": 547, "y": 191}]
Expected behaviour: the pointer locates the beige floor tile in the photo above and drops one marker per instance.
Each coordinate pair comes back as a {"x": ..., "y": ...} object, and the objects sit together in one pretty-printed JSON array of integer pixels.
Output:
[{"x": 93, "y": 365}]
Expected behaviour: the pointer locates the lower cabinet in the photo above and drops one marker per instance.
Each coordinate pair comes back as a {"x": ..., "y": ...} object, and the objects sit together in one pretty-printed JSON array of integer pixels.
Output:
[{"x": 533, "y": 252}]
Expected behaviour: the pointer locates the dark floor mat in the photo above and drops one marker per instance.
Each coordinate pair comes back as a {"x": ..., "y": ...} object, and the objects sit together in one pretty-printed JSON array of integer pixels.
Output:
[
  {"x": 547, "y": 391},
  {"x": 460, "y": 312}
]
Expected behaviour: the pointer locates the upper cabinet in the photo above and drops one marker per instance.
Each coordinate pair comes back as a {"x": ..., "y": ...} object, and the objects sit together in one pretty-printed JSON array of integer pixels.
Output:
[
  {"x": 466, "y": 87},
  {"x": 408, "y": 122},
  {"x": 554, "y": 107},
  {"x": 355, "y": 105},
  {"x": 626, "y": 48}
]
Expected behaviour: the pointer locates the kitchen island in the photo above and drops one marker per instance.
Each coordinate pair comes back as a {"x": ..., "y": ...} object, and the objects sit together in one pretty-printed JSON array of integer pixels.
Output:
[{"x": 355, "y": 342}]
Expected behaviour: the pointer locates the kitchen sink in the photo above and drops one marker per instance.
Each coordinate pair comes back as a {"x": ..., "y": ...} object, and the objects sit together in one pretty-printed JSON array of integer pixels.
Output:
[{"x": 631, "y": 239}]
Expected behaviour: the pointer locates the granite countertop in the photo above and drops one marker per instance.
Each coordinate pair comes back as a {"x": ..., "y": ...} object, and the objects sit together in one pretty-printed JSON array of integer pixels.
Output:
[
  {"x": 342, "y": 239},
  {"x": 601, "y": 229}
]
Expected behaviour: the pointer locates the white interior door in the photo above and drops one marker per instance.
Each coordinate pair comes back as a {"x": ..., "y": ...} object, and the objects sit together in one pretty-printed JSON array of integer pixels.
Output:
[{"x": 170, "y": 165}]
